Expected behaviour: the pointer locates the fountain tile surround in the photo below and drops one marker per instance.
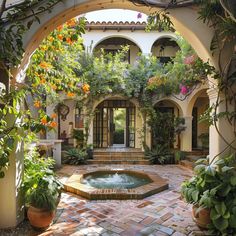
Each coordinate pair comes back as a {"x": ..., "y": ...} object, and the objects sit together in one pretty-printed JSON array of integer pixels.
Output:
[{"x": 74, "y": 185}]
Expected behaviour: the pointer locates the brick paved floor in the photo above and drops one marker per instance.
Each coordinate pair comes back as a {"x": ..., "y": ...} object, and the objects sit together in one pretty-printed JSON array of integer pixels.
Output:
[{"x": 161, "y": 214}]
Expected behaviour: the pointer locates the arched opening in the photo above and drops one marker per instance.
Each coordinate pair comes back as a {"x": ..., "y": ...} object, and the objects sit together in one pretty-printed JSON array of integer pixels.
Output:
[
  {"x": 114, "y": 124},
  {"x": 165, "y": 48},
  {"x": 167, "y": 112},
  {"x": 113, "y": 44},
  {"x": 200, "y": 130},
  {"x": 190, "y": 28}
]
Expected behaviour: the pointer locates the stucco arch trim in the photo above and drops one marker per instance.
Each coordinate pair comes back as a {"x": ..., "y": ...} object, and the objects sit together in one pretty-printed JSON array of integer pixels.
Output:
[
  {"x": 117, "y": 36},
  {"x": 115, "y": 96},
  {"x": 177, "y": 103},
  {"x": 193, "y": 97},
  {"x": 171, "y": 36}
]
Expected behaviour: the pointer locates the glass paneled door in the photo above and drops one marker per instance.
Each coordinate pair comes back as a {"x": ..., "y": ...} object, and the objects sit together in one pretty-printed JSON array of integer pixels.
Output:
[
  {"x": 104, "y": 125},
  {"x": 130, "y": 127}
]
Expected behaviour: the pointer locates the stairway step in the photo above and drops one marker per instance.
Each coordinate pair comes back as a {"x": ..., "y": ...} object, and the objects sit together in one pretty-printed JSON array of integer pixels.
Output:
[
  {"x": 197, "y": 153},
  {"x": 118, "y": 153},
  {"x": 194, "y": 158},
  {"x": 128, "y": 162},
  {"x": 187, "y": 164},
  {"x": 118, "y": 158}
]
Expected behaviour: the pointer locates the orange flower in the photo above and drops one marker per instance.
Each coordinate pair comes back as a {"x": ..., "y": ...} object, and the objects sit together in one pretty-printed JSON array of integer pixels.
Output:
[
  {"x": 50, "y": 38},
  {"x": 54, "y": 115},
  {"x": 54, "y": 87},
  {"x": 44, "y": 120},
  {"x": 60, "y": 27},
  {"x": 45, "y": 65},
  {"x": 70, "y": 94},
  {"x": 53, "y": 124},
  {"x": 60, "y": 36},
  {"x": 86, "y": 88},
  {"x": 42, "y": 81},
  {"x": 69, "y": 41},
  {"x": 37, "y": 104},
  {"x": 44, "y": 48},
  {"x": 71, "y": 22}
]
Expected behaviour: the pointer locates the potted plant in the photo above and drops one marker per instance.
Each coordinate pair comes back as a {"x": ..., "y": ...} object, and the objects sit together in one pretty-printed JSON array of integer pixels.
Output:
[
  {"x": 212, "y": 191},
  {"x": 41, "y": 189},
  {"x": 42, "y": 201}
]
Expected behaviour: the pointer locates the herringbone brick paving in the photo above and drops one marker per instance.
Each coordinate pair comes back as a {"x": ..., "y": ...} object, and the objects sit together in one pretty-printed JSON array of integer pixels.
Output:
[{"x": 161, "y": 214}]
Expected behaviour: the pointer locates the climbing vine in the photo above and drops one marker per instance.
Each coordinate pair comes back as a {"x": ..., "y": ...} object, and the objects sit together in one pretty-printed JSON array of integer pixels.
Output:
[{"x": 48, "y": 74}]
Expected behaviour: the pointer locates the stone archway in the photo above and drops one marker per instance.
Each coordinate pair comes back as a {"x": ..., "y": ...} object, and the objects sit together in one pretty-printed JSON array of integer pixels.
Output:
[{"x": 198, "y": 34}]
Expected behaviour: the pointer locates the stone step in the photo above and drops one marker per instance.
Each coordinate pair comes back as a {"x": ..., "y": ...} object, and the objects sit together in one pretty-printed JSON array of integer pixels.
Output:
[
  {"x": 124, "y": 162},
  {"x": 118, "y": 157},
  {"x": 118, "y": 153},
  {"x": 194, "y": 158},
  {"x": 197, "y": 153},
  {"x": 188, "y": 164}
]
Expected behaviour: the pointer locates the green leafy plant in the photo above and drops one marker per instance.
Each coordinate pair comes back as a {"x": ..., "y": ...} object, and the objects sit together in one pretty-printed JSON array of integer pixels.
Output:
[
  {"x": 214, "y": 187},
  {"x": 160, "y": 154},
  {"x": 40, "y": 185},
  {"x": 75, "y": 156},
  {"x": 179, "y": 155},
  {"x": 15, "y": 20}
]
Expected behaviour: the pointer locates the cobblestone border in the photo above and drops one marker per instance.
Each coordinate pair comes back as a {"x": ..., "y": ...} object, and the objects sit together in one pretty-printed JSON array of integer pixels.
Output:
[{"x": 74, "y": 185}]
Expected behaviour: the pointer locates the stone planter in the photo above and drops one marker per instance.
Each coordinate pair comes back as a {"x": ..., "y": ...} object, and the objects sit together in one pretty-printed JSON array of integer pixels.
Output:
[{"x": 201, "y": 217}]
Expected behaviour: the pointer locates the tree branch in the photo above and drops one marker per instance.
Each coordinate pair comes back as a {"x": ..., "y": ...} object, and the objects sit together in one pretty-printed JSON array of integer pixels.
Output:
[
  {"x": 3, "y": 7},
  {"x": 228, "y": 11}
]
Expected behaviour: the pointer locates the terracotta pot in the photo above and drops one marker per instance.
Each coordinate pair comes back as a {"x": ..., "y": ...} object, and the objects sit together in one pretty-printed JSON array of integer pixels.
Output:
[
  {"x": 40, "y": 218},
  {"x": 201, "y": 217}
]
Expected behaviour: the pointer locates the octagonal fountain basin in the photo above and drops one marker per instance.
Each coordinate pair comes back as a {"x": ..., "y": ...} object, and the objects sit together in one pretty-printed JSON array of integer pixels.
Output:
[{"x": 115, "y": 184}]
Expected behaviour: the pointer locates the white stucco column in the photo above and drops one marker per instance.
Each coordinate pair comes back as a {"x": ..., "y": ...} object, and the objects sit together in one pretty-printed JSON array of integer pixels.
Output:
[
  {"x": 11, "y": 204},
  {"x": 218, "y": 140},
  {"x": 186, "y": 135}
]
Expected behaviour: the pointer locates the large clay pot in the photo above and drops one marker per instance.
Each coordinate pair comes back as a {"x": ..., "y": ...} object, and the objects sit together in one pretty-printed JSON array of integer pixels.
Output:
[
  {"x": 201, "y": 217},
  {"x": 40, "y": 218}
]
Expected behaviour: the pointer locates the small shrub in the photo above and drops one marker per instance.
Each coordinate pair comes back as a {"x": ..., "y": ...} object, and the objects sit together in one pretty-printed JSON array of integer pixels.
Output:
[
  {"x": 179, "y": 155},
  {"x": 75, "y": 156},
  {"x": 159, "y": 155}
]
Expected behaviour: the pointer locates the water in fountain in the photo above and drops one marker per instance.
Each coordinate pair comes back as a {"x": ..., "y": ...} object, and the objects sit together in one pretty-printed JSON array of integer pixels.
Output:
[{"x": 114, "y": 181}]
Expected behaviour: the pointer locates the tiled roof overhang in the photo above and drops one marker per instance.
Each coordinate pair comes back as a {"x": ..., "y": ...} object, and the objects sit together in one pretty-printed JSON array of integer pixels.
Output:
[{"x": 115, "y": 25}]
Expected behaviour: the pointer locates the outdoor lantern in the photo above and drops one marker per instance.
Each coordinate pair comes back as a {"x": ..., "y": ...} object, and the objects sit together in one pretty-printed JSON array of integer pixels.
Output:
[
  {"x": 79, "y": 121},
  {"x": 63, "y": 111}
]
